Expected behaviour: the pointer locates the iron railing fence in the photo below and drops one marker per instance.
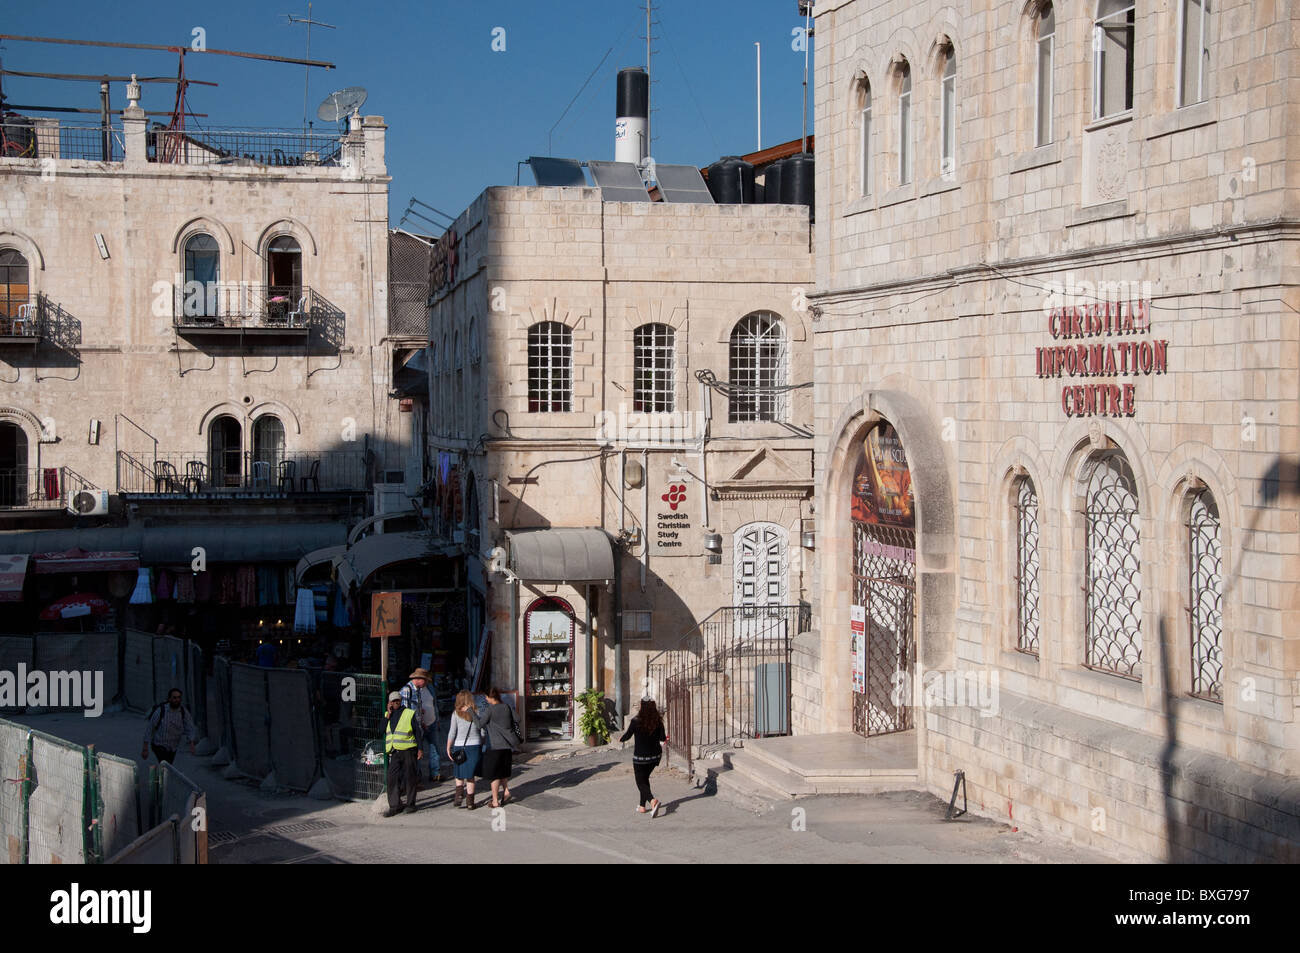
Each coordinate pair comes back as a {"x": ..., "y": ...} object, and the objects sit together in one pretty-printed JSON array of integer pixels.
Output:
[
  {"x": 728, "y": 677},
  {"x": 33, "y": 488},
  {"x": 22, "y": 316},
  {"x": 235, "y": 304},
  {"x": 24, "y": 138},
  {"x": 265, "y": 147},
  {"x": 270, "y": 471}
]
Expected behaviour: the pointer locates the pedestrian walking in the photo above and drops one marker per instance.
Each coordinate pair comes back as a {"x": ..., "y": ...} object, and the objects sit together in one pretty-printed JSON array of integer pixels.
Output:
[
  {"x": 166, "y": 728},
  {"x": 647, "y": 728},
  {"x": 465, "y": 747},
  {"x": 417, "y": 696},
  {"x": 503, "y": 736},
  {"x": 402, "y": 742}
]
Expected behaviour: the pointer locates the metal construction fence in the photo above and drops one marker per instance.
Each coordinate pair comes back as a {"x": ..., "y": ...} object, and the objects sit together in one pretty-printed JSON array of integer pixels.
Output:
[
  {"x": 62, "y": 803},
  {"x": 293, "y": 728},
  {"x": 64, "y": 660},
  {"x": 155, "y": 664}
]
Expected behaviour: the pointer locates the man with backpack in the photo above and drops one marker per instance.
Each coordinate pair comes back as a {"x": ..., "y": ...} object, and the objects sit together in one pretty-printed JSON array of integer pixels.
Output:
[
  {"x": 166, "y": 728},
  {"x": 417, "y": 696}
]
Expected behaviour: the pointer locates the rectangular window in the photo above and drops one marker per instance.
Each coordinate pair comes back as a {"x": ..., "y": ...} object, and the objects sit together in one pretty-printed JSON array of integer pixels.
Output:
[
  {"x": 948, "y": 120},
  {"x": 1194, "y": 53},
  {"x": 1112, "y": 49},
  {"x": 866, "y": 150},
  {"x": 1046, "y": 63},
  {"x": 636, "y": 626},
  {"x": 905, "y": 134},
  {"x": 653, "y": 386}
]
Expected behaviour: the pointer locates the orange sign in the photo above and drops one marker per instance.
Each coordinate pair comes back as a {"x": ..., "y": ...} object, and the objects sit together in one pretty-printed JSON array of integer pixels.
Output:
[{"x": 385, "y": 615}]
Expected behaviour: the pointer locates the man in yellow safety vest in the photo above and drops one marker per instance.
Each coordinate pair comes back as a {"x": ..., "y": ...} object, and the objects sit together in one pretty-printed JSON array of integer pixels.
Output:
[{"x": 402, "y": 741}]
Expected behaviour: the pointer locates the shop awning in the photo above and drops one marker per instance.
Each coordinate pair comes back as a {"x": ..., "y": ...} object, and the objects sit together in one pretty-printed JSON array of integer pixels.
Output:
[
  {"x": 368, "y": 555},
  {"x": 80, "y": 560},
  {"x": 13, "y": 570},
  {"x": 562, "y": 555},
  {"x": 316, "y": 557},
  {"x": 174, "y": 544}
]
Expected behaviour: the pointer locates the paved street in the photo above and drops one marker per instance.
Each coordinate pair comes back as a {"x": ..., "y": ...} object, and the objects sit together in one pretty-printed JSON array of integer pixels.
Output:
[{"x": 577, "y": 809}]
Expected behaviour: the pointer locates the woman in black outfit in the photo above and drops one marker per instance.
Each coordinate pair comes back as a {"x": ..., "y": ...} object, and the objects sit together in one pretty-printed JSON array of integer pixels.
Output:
[{"x": 648, "y": 729}]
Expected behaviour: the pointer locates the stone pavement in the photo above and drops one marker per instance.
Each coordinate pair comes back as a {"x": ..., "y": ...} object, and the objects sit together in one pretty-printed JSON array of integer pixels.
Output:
[{"x": 579, "y": 808}]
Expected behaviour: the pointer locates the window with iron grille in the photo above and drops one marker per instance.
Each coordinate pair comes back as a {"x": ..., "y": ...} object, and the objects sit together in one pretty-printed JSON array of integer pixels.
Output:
[
  {"x": 1027, "y": 620},
  {"x": 758, "y": 369},
  {"x": 1205, "y": 597},
  {"x": 1113, "y": 611},
  {"x": 652, "y": 369},
  {"x": 550, "y": 368}
]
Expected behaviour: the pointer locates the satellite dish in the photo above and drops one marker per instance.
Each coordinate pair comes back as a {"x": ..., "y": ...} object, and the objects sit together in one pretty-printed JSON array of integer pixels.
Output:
[{"x": 337, "y": 107}]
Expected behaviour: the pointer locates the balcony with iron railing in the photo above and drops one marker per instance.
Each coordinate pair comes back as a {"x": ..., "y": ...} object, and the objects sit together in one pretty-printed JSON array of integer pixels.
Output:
[
  {"x": 42, "y": 138},
  {"x": 248, "y": 147},
  {"x": 239, "y": 309},
  {"x": 39, "y": 488},
  {"x": 21, "y": 319},
  {"x": 228, "y": 473}
]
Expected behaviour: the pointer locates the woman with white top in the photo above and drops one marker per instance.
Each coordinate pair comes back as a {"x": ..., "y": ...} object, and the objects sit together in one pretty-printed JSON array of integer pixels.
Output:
[{"x": 465, "y": 738}]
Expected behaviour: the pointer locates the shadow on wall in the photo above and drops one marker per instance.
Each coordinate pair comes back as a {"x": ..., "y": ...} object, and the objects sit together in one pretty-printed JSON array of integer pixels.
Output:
[{"x": 1206, "y": 816}]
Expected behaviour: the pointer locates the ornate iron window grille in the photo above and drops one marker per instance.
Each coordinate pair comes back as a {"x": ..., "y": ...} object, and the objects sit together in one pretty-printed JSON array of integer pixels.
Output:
[
  {"x": 1027, "y": 617},
  {"x": 1113, "y": 571},
  {"x": 1205, "y": 591},
  {"x": 758, "y": 369}
]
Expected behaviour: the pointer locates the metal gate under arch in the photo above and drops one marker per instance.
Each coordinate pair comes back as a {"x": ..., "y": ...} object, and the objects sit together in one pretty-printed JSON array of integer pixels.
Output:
[{"x": 884, "y": 584}]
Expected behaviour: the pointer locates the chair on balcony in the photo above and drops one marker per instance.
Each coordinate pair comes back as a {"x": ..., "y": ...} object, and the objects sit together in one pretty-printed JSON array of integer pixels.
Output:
[
  {"x": 298, "y": 316},
  {"x": 21, "y": 325},
  {"x": 312, "y": 477},
  {"x": 165, "y": 478},
  {"x": 288, "y": 472},
  {"x": 261, "y": 474},
  {"x": 196, "y": 473}
]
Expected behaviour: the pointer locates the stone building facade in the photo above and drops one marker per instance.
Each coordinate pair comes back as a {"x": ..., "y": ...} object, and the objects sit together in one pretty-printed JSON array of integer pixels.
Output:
[
  {"x": 576, "y": 345},
  {"x": 1054, "y": 266},
  {"x": 199, "y": 328}
]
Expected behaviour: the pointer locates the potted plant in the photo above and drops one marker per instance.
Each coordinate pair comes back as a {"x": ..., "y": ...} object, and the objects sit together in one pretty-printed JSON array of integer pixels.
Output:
[{"x": 591, "y": 723}]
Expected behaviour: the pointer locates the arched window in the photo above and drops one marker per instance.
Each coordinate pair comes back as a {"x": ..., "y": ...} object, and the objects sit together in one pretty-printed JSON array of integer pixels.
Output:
[
  {"x": 1113, "y": 573},
  {"x": 1205, "y": 596},
  {"x": 1045, "y": 81},
  {"x": 1194, "y": 51},
  {"x": 550, "y": 368},
  {"x": 904, "y": 123},
  {"x": 202, "y": 274},
  {"x": 13, "y": 465},
  {"x": 758, "y": 368},
  {"x": 948, "y": 116},
  {"x": 268, "y": 445},
  {"x": 1027, "y": 618},
  {"x": 1112, "y": 58},
  {"x": 653, "y": 359},
  {"x": 14, "y": 289},
  {"x": 225, "y": 454},
  {"x": 284, "y": 267},
  {"x": 864, "y": 136}
]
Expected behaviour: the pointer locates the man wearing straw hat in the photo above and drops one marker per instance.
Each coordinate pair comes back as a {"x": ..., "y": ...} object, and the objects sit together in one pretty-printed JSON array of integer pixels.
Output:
[
  {"x": 402, "y": 738},
  {"x": 418, "y": 697}
]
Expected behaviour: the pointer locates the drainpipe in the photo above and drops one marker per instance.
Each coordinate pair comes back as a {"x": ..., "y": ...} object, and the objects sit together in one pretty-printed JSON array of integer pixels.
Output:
[
  {"x": 590, "y": 641},
  {"x": 618, "y": 636}
]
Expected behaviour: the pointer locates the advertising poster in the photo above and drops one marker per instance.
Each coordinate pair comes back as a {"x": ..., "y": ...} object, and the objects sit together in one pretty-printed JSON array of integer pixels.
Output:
[
  {"x": 858, "y": 647},
  {"x": 882, "y": 484}
]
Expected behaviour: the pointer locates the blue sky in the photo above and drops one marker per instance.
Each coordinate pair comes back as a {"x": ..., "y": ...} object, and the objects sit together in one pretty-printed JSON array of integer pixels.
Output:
[{"x": 460, "y": 115}]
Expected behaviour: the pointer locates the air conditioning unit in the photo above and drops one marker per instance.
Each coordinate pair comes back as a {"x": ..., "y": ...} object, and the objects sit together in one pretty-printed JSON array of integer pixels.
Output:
[
  {"x": 391, "y": 498},
  {"x": 89, "y": 503}
]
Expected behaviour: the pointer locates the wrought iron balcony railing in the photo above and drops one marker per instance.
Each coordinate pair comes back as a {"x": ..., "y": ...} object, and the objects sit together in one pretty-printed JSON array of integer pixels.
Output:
[
  {"x": 233, "y": 307},
  {"x": 242, "y": 472},
  {"x": 22, "y": 319},
  {"x": 267, "y": 147}
]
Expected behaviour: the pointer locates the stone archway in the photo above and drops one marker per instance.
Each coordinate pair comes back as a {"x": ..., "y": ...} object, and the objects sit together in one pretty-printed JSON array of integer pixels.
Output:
[{"x": 932, "y": 472}]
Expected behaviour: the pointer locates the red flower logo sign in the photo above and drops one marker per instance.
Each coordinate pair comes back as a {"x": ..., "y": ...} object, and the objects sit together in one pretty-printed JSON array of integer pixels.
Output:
[{"x": 676, "y": 494}]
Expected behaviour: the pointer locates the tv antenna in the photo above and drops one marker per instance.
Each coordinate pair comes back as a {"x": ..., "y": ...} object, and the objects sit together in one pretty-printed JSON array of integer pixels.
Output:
[
  {"x": 338, "y": 106},
  {"x": 179, "y": 110},
  {"x": 306, "y": 72}
]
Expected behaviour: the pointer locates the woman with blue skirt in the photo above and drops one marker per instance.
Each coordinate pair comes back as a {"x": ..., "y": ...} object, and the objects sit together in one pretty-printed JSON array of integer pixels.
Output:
[{"x": 465, "y": 748}]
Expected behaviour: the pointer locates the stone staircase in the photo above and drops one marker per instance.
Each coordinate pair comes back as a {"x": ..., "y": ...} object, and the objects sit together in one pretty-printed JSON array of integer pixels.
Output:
[{"x": 771, "y": 771}]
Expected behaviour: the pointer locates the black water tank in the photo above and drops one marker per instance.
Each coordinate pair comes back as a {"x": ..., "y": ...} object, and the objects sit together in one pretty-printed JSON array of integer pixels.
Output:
[
  {"x": 731, "y": 181},
  {"x": 633, "y": 93},
  {"x": 797, "y": 180},
  {"x": 772, "y": 183}
]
